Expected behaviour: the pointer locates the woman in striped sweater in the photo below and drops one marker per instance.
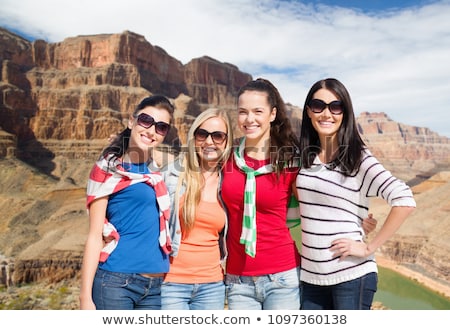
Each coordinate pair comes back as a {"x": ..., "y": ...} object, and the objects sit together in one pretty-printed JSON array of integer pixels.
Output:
[{"x": 337, "y": 178}]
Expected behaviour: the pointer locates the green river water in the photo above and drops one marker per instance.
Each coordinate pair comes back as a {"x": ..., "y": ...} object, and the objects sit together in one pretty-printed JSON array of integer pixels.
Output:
[{"x": 397, "y": 292}]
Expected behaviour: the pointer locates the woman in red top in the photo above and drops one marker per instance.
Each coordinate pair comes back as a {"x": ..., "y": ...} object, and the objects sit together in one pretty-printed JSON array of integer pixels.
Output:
[{"x": 263, "y": 260}]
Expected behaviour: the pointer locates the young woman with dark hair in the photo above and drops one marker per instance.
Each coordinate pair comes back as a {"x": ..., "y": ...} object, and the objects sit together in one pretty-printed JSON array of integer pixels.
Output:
[
  {"x": 338, "y": 176},
  {"x": 130, "y": 204},
  {"x": 262, "y": 269}
]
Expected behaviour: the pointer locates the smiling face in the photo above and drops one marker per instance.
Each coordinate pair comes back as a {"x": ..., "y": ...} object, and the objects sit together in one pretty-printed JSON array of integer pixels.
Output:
[
  {"x": 142, "y": 139},
  {"x": 325, "y": 123},
  {"x": 209, "y": 150},
  {"x": 255, "y": 115}
]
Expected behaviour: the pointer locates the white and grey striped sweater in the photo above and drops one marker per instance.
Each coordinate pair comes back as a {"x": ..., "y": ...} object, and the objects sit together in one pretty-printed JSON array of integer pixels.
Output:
[{"x": 333, "y": 206}]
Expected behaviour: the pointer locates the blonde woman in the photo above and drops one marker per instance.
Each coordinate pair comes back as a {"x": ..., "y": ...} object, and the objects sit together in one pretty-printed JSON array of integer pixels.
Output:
[{"x": 198, "y": 221}]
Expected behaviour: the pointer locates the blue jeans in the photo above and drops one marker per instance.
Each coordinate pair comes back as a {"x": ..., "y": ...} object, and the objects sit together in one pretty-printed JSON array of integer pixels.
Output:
[
  {"x": 273, "y": 291},
  {"x": 126, "y": 291},
  {"x": 193, "y": 296},
  {"x": 352, "y": 295}
]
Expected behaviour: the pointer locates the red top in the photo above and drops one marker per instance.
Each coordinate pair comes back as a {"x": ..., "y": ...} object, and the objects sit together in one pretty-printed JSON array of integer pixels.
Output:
[{"x": 275, "y": 249}]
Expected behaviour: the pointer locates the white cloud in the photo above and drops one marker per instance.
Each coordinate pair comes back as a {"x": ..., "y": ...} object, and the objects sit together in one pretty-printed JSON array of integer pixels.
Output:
[{"x": 394, "y": 61}]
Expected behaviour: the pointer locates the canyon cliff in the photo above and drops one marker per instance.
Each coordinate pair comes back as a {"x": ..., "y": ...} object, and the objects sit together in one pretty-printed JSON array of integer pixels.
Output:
[{"x": 60, "y": 102}]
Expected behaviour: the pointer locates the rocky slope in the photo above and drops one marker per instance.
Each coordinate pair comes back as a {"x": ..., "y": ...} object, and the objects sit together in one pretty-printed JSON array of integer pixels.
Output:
[
  {"x": 58, "y": 104},
  {"x": 422, "y": 243},
  {"x": 44, "y": 226}
]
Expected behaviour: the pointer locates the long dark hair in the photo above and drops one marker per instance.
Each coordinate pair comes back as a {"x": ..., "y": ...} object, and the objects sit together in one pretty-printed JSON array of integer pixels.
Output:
[
  {"x": 283, "y": 141},
  {"x": 349, "y": 139},
  {"x": 120, "y": 144}
]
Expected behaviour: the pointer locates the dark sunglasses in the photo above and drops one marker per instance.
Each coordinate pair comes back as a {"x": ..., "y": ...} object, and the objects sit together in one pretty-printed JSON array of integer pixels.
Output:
[
  {"x": 317, "y": 106},
  {"x": 201, "y": 134},
  {"x": 148, "y": 121}
]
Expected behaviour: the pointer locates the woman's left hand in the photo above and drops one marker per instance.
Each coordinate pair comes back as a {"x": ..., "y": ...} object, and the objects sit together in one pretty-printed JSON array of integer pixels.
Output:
[
  {"x": 369, "y": 224},
  {"x": 344, "y": 247}
]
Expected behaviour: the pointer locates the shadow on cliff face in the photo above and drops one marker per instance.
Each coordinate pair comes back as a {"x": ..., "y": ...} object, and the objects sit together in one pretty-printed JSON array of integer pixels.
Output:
[
  {"x": 28, "y": 149},
  {"x": 35, "y": 154},
  {"x": 17, "y": 109},
  {"x": 426, "y": 175}
]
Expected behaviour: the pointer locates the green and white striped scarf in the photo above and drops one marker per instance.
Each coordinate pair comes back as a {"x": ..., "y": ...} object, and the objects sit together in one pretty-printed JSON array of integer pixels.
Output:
[{"x": 248, "y": 234}]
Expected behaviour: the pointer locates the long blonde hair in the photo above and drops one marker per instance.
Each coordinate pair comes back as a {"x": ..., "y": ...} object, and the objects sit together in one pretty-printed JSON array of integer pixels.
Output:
[{"x": 191, "y": 176}]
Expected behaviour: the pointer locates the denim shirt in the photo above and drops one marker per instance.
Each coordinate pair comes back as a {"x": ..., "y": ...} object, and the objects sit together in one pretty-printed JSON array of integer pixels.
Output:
[{"x": 171, "y": 174}]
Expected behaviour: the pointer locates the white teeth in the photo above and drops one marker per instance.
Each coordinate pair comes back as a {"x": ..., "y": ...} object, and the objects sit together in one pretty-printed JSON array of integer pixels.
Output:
[
  {"x": 251, "y": 128},
  {"x": 327, "y": 123},
  {"x": 146, "y": 139}
]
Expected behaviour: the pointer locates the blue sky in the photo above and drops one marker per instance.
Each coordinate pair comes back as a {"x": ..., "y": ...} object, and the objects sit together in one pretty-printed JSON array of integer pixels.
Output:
[
  {"x": 372, "y": 6},
  {"x": 393, "y": 56}
]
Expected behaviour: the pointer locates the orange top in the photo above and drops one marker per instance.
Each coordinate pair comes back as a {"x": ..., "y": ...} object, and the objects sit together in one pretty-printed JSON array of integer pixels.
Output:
[{"x": 198, "y": 259}]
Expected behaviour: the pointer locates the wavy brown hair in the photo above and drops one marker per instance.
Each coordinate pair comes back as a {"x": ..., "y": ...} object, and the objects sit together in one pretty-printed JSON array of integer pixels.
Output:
[{"x": 283, "y": 141}]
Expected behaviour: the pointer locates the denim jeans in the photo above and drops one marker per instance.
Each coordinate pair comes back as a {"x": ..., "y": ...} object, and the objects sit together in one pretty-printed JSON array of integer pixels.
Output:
[
  {"x": 126, "y": 291},
  {"x": 352, "y": 295},
  {"x": 193, "y": 296},
  {"x": 273, "y": 291}
]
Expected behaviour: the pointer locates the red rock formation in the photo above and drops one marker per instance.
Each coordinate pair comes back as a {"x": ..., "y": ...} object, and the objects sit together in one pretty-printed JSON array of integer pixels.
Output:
[
  {"x": 212, "y": 82},
  {"x": 60, "y": 101},
  {"x": 84, "y": 87}
]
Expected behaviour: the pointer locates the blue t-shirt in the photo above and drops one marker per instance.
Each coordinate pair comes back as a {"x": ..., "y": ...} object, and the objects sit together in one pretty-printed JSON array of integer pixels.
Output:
[{"x": 135, "y": 214}]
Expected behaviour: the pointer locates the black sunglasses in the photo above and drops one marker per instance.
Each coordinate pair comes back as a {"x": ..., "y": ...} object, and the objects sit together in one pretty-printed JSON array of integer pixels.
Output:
[
  {"x": 317, "y": 106},
  {"x": 148, "y": 121},
  {"x": 201, "y": 134}
]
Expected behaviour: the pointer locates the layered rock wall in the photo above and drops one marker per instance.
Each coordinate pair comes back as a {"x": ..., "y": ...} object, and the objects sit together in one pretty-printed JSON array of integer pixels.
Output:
[
  {"x": 85, "y": 87},
  {"x": 420, "y": 253},
  {"x": 60, "y": 101}
]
